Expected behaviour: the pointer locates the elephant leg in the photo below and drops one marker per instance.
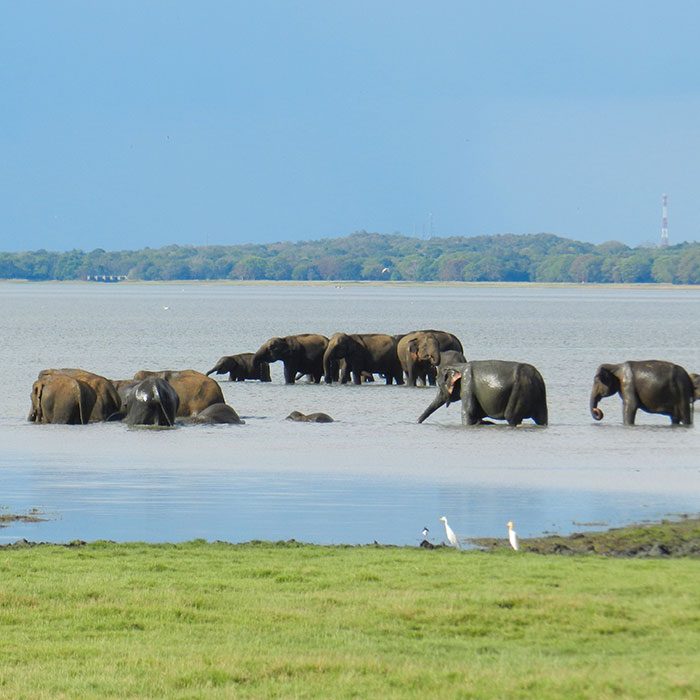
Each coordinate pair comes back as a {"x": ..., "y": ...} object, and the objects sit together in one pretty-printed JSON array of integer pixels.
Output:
[
  {"x": 410, "y": 373},
  {"x": 629, "y": 412},
  {"x": 540, "y": 415},
  {"x": 290, "y": 373},
  {"x": 472, "y": 412},
  {"x": 516, "y": 408},
  {"x": 684, "y": 416}
]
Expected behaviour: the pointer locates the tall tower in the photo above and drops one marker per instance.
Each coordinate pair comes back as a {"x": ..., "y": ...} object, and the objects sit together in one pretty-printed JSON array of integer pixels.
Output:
[{"x": 664, "y": 220}]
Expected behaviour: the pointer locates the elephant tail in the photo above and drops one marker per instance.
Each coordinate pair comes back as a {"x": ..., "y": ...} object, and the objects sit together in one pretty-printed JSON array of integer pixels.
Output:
[
  {"x": 35, "y": 415},
  {"x": 84, "y": 420},
  {"x": 163, "y": 412}
]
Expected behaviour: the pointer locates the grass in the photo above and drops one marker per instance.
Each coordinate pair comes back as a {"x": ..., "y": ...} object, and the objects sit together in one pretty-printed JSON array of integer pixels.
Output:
[
  {"x": 287, "y": 620},
  {"x": 678, "y": 538}
]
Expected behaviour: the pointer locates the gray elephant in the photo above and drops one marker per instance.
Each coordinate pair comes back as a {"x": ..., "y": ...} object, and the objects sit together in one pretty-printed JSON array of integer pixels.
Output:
[
  {"x": 301, "y": 353},
  {"x": 696, "y": 384},
  {"x": 419, "y": 353},
  {"x": 363, "y": 354},
  {"x": 107, "y": 401},
  {"x": 654, "y": 386},
  {"x": 152, "y": 401},
  {"x": 309, "y": 417},
  {"x": 498, "y": 389},
  {"x": 194, "y": 390},
  {"x": 60, "y": 398},
  {"x": 452, "y": 357},
  {"x": 218, "y": 413},
  {"x": 241, "y": 367}
]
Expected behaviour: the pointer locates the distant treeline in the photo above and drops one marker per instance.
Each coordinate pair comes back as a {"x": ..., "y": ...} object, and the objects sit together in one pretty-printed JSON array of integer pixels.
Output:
[{"x": 372, "y": 256}]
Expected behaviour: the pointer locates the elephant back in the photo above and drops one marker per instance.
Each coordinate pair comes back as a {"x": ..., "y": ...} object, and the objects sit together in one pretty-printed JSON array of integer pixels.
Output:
[
  {"x": 446, "y": 340},
  {"x": 108, "y": 401}
]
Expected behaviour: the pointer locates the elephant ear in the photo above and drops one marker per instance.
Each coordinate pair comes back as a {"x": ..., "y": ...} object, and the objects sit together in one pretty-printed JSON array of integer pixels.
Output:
[
  {"x": 607, "y": 376},
  {"x": 454, "y": 380}
]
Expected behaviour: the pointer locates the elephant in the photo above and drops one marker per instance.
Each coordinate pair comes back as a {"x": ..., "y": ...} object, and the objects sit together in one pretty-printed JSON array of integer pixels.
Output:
[
  {"x": 60, "y": 398},
  {"x": 217, "y": 413},
  {"x": 152, "y": 401},
  {"x": 299, "y": 353},
  {"x": 123, "y": 387},
  {"x": 655, "y": 386},
  {"x": 241, "y": 367},
  {"x": 363, "y": 354},
  {"x": 107, "y": 400},
  {"x": 195, "y": 390},
  {"x": 452, "y": 357},
  {"x": 695, "y": 378},
  {"x": 310, "y": 417},
  {"x": 510, "y": 391},
  {"x": 419, "y": 353}
]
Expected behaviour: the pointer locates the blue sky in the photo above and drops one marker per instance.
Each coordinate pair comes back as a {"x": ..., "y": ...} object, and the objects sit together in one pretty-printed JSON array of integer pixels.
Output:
[{"x": 131, "y": 124}]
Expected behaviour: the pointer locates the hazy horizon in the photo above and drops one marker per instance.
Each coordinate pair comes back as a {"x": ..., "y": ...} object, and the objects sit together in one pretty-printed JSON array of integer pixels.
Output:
[{"x": 130, "y": 125}]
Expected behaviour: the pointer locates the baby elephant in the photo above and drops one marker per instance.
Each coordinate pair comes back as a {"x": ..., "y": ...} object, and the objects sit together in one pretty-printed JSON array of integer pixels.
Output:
[
  {"x": 310, "y": 418},
  {"x": 654, "y": 386},
  {"x": 218, "y": 413},
  {"x": 241, "y": 367},
  {"x": 510, "y": 391}
]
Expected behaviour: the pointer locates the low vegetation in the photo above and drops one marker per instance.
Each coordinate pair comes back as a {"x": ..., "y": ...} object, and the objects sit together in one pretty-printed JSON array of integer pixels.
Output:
[
  {"x": 372, "y": 256},
  {"x": 288, "y": 620},
  {"x": 666, "y": 539}
]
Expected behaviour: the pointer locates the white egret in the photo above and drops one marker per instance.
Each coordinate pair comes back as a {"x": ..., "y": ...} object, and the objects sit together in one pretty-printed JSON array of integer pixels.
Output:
[
  {"x": 451, "y": 537},
  {"x": 513, "y": 536}
]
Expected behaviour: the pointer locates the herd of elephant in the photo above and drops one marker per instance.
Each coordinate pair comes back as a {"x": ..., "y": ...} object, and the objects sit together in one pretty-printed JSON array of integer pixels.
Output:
[{"x": 486, "y": 389}]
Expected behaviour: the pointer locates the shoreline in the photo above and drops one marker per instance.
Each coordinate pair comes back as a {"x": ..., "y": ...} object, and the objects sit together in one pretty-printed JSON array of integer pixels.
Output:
[
  {"x": 678, "y": 538},
  {"x": 372, "y": 283}
]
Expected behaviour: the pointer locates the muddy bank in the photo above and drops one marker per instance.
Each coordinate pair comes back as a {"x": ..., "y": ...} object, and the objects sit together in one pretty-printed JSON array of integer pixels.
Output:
[
  {"x": 32, "y": 516},
  {"x": 669, "y": 538}
]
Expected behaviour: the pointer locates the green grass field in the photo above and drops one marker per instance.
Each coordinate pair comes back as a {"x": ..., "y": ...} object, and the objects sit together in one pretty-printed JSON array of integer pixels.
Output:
[{"x": 266, "y": 620}]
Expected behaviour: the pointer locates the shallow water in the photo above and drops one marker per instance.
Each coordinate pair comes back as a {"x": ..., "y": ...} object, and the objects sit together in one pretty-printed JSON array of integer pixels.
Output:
[{"x": 374, "y": 474}]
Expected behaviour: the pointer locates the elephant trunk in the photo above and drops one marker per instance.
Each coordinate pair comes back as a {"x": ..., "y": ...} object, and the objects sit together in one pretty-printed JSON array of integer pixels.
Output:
[
  {"x": 595, "y": 411},
  {"x": 439, "y": 400},
  {"x": 328, "y": 359},
  {"x": 260, "y": 356}
]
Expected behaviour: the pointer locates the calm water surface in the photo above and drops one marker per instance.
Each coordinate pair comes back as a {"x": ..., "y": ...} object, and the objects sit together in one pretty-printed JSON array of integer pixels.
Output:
[{"x": 374, "y": 474}]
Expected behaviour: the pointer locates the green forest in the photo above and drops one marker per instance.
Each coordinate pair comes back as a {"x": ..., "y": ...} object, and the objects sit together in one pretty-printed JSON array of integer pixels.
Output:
[{"x": 373, "y": 256}]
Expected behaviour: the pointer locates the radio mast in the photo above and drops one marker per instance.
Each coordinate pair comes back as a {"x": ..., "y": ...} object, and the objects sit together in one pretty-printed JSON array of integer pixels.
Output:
[{"x": 664, "y": 220}]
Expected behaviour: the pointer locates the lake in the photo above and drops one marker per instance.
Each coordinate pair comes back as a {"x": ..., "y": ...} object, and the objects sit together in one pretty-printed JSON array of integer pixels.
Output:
[{"x": 374, "y": 474}]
